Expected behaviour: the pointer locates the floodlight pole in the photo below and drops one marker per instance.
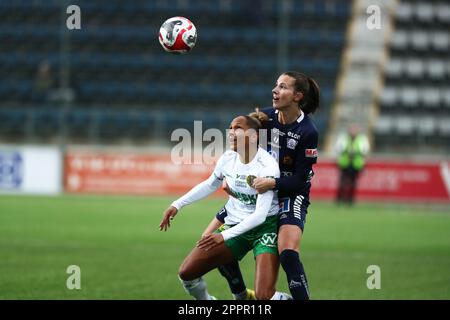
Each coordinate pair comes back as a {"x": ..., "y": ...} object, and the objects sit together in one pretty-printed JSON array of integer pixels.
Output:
[
  {"x": 283, "y": 36},
  {"x": 64, "y": 75}
]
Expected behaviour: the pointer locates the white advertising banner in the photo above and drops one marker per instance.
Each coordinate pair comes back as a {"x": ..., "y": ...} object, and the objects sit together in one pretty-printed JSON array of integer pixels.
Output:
[{"x": 30, "y": 169}]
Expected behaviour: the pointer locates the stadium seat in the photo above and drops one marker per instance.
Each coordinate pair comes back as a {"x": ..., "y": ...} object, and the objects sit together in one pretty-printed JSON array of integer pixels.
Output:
[
  {"x": 394, "y": 68},
  {"x": 431, "y": 97},
  {"x": 389, "y": 97},
  {"x": 426, "y": 126},
  {"x": 399, "y": 40},
  {"x": 416, "y": 76},
  {"x": 409, "y": 97},
  {"x": 384, "y": 126},
  {"x": 419, "y": 40},
  {"x": 405, "y": 126},
  {"x": 436, "y": 70},
  {"x": 445, "y": 94},
  {"x": 117, "y": 63},
  {"x": 414, "y": 69}
]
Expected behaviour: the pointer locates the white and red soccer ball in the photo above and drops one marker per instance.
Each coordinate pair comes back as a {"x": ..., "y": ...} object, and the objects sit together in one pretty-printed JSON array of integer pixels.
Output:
[{"x": 177, "y": 35}]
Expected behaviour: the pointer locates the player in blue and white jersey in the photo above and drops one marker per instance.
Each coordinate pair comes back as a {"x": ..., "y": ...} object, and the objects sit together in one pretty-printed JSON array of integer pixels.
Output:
[{"x": 293, "y": 143}]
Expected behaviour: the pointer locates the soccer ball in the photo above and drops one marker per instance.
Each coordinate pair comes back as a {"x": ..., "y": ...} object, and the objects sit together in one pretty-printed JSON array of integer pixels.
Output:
[{"x": 177, "y": 35}]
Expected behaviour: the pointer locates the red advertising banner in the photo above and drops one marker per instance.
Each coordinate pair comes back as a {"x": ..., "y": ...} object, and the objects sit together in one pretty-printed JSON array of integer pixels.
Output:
[
  {"x": 130, "y": 174},
  {"x": 117, "y": 173},
  {"x": 389, "y": 180}
]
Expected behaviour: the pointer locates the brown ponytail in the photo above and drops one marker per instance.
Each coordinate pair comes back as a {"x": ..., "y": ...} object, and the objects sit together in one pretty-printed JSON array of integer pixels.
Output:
[
  {"x": 313, "y": 97},
  {"x": 260, "y": 117}
]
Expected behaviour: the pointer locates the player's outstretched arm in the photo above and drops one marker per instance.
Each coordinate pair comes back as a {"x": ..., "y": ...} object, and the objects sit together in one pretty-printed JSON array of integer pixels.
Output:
[{"x": 168, "y": 215}]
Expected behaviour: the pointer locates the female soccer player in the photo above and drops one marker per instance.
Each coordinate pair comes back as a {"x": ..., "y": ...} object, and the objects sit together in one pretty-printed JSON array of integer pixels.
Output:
[
  {"x": 251, "y": 221},
  {"x": 294, "y": 143}
]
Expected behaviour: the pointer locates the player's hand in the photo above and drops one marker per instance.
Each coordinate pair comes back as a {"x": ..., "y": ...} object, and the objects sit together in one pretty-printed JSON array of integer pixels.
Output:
[
  {"x": 263, "y": 184},
  {"x": 226, "y": 188},
  {"x": 210, "y": 241},
  {"x": 168, "y": 215}
]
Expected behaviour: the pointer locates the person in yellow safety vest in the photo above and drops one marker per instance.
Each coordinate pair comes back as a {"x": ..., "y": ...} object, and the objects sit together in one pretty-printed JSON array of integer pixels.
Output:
[{"x": 352, "y": 149}]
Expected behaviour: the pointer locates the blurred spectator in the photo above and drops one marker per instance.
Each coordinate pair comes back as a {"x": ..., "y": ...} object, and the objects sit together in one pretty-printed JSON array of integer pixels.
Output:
[
  {"x": 44, "y": 83},
  {"x": 352, "y": 148},
  {"x": 47, "y": 90}
]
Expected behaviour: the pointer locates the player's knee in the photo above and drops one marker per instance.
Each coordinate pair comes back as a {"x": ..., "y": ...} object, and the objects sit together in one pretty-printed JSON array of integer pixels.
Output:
[
  {"x": 264, "y": 293},
  {"x": 185, "y": 273}
]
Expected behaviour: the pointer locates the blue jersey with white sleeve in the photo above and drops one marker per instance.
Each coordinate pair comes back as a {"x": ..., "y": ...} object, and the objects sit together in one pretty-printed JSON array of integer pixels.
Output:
[{"x": 295, "y": 147}]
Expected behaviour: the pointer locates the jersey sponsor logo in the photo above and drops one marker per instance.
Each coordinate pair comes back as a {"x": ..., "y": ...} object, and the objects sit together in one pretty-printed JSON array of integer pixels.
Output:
[
  {"x": 276, "y": 139},
  {"x": 311, "y": 153},
  {"x": 241, "y": 180},
  {"x": 269, "y": 239},
  {"x": 240, "y": 184},
  {"x": 286, "y": 173},
  {"x": 293, "y": 135},
  {"x": 247, "y": 199},
  {"x": 291, "y": 143},
  {"x": 276, "y": 131}
]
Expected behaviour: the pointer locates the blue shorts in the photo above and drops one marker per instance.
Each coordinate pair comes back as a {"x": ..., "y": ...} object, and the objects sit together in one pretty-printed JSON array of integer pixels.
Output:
[{"x": 292, "y": 211}]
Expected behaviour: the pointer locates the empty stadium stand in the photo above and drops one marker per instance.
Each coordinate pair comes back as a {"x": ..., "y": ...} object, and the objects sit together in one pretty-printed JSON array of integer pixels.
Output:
[
  {"x": 415, "y": 100},
  {"x": 123, "y": 84}
]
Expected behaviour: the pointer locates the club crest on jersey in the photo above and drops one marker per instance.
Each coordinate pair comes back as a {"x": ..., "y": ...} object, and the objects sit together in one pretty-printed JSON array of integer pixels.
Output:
[
  {"x": 311, "y": 153},
  {"x": 250, "y": 179},
  {"x": 291, "y": 143}
]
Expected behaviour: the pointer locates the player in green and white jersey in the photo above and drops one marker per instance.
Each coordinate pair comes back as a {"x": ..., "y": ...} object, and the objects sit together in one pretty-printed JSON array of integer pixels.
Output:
[{"x": 252, "y": 219}]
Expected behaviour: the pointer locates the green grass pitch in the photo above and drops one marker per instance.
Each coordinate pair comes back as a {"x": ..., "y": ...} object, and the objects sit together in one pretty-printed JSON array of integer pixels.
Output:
[{"x": 122, "y": 254}]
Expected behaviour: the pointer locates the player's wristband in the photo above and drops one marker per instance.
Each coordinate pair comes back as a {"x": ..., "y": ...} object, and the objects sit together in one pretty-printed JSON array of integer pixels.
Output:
[{"x": 277, "y": 184}]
